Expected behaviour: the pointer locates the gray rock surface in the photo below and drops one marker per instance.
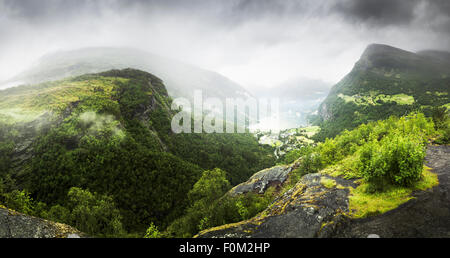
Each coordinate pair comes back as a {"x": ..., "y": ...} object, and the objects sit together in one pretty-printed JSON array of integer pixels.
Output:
[
  {"x": 309, "y": 209},
  {"x": 17, "y": 225},
  {"x": 261, "y": 180}
]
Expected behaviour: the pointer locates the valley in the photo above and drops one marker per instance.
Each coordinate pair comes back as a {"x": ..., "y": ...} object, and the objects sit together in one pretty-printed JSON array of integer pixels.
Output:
[{"x": 88, "y": 142}]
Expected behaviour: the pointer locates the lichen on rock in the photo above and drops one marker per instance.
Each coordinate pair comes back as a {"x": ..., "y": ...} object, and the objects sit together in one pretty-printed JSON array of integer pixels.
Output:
[
  {"x": 309, "y": 209},
  {"x": 17, "y": 225},
  {"x": 261, "y": 180}
]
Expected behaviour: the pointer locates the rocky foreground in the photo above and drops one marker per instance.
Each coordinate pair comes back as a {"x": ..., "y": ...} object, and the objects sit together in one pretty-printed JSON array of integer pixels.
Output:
[
  {"x": 427, "y": 215},
  {"x": 17, "y": 225},
  {"x": 311, "y": 209}
]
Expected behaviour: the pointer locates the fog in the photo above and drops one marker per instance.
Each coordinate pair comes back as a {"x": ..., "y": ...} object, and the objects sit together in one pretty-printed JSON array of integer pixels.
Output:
[{"x": 256, "y": 43}]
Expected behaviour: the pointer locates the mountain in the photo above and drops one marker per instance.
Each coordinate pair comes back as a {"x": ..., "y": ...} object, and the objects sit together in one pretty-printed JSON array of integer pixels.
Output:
[
  {"x": 348, "y": 185},
  {"x": 102, "y": 144},
  {"x": 386, "y": 81},
  {"x": 180, "y": 79}
]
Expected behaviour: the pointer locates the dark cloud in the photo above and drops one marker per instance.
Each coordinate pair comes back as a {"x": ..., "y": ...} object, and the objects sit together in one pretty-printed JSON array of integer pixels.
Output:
[
  {"x": 374, "y": 12},
  {"x": 437, "y": 15},
  {"x": 254, "y": 9},
  {"x": 440, "y": 6},
  {"x": 378, "y": 12},
  {"x": 382, "y": 13},
  {"x": 225, "y": 12},
  {"x": 49, "y": 11}
]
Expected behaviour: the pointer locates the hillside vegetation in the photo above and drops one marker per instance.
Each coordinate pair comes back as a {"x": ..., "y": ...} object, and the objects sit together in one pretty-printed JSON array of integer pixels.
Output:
[
  {"x": 97, "y": 152},
  {"x": 367, "y": 171},
  {"x": 385, "y": 81}
]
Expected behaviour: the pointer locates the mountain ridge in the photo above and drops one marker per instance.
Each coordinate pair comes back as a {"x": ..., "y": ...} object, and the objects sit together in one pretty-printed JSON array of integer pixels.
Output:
[
  {"x": 180, "y": 78},
  {"x": 108, "y": 135},
  {"x": 385, "y": 81}
]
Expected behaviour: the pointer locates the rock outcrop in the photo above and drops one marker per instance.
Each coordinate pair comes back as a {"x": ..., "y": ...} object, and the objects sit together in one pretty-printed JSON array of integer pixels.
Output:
[
  {"x": 17, "y": 225},
  {"x": 309, "y": 209},
  {"x": 26, "y": 135},
  {"x": 261, "y": 180},
  {"x": 313, "y": 208}
]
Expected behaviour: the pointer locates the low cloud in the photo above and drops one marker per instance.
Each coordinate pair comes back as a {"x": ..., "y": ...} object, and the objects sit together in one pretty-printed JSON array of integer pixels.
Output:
[{"x": 253, "y": 42}]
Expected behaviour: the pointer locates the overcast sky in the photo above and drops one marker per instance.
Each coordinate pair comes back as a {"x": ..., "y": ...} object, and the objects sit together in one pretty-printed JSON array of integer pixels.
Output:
[{"x": 253, "y": 42}]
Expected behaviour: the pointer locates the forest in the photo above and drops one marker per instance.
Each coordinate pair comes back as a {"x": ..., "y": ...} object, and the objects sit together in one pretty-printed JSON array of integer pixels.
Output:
[
  {"x": 106, "y": 160},
  {"x": 100, "y": 156}
]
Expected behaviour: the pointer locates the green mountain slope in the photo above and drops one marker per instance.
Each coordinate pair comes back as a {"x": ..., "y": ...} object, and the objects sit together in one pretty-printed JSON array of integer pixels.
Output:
[
  {"x": 386, "y": 81},
  {"x": 109, "y": 134}
]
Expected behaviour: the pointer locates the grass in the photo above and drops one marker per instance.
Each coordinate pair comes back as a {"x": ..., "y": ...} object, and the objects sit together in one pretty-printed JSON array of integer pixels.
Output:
[
  {"x": 311, "y": 130},
  {"x": 429, "y": 180},
  {"x": 437, "y": 93},
  {"x": 11, "y": 115},
  {"x": 374, "y": 97},
  {"x": 304, "y": 139},
  {"x": 345, "y": 168},
  {"x": 328, "y": 182},
  {"x": 28, "y": 102},
  {"x": 401, "y": 99},
  {"x": 362, "y": 203}
]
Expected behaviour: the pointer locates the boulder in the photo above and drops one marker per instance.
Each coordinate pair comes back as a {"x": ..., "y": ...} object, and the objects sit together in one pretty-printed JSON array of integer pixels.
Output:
[
  {"x": 309, "y": 209},
  {"x": 261, "y": 180},
  {"x": 17, "y": 225}
]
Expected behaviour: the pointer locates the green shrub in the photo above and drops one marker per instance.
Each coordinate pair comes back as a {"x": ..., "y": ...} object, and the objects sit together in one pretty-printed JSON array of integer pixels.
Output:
[
  {"x": 93, "y": 213},
  {"x": 59, "y": 213},
  {"x": 243, "y": 211},
  {"x": 203, "y": 198},
  {"x": 445, "y": 136},
  {"x": 211, "y": 185},
  {"x": 19, "y": 201},
  {"x": 291, "y": 156},
  {"x": 152, "y": 232},
  {"x": 440, "y": 117},
  {"x": 208, "y": 212},
  {"x": 443, "y": 127},
  {"x": 407, "y": 156},
  {"x": 396, "y": 160}
]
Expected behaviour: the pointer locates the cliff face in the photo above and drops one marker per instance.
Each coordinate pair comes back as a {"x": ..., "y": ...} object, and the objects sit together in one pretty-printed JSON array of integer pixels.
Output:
[{"x": 17, "y": 225}]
